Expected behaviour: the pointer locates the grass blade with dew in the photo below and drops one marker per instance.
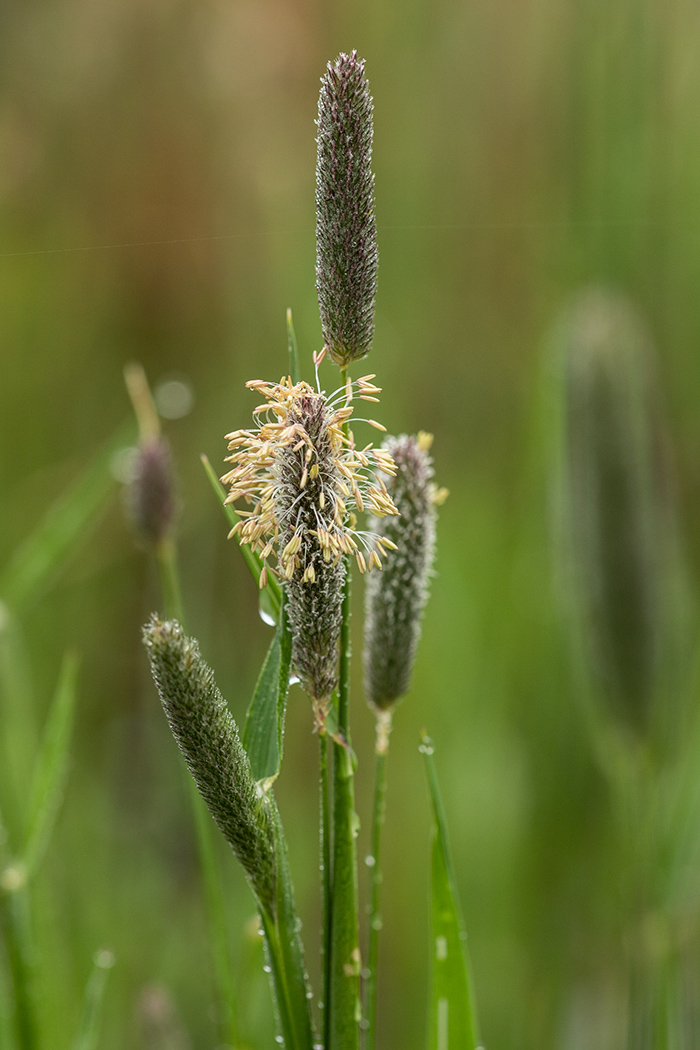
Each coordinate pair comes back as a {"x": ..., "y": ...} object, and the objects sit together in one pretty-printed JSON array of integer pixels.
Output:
[
  {"x": 51, "y": 767},
  {"x": 263, "y": 736},
  {"x": 270, "y": 595},
  {"x": 89, "y": 1030},
  {"x": 63, "y": 526},
  {"x": 453, "y": 1021}
]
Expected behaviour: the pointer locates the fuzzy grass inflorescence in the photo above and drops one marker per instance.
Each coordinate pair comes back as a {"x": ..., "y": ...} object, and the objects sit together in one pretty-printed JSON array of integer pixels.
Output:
[
  {"x": 346, "y": 245},
  {"x": 305, "y": 478},
  {"x": 618, "y": 511},
  {"x": 396, "y": 597},
  {"x": 207, "y": 735}
]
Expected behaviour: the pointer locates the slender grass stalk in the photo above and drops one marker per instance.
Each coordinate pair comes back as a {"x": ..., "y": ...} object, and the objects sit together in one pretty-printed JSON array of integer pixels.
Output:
[
  {"x": 88, "y": 1033},
  {"x": 375, "y": 919},
  {"x": 326, "y": 885},
  {"x": 166, "y": 555},
  {"x": 344, "y": 1000}
]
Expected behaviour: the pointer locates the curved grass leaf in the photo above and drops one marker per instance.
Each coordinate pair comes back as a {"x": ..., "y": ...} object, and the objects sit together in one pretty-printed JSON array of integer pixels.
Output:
[
  {"x": 271, "y": 595},
  {"x": 264, "y": 728},
  {"x": 51, "y": 766},
  {"x": 453, "y": 1021},
  {"x": 63, "y": 526}
]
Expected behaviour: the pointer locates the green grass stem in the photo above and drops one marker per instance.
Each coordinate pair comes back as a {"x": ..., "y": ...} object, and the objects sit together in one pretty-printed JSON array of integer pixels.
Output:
[
  {"x": 375, "y": 919},
  {"x": 89, "y": 1031},
  {"x": 344, "y": 999},
  {"x": 19, "y": 951},
  {"x": 326, "y": 885}
]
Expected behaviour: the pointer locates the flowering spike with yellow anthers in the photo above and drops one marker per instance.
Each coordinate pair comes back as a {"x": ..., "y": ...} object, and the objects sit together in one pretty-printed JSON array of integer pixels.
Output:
[{"x": 302, "y": 481}]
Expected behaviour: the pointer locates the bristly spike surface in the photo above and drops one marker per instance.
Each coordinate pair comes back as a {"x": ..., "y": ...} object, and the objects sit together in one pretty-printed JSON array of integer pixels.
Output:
[
  {"x": 207, "y": 735},
  {"x": 346, "y": 239},
  {"x": 396, "y": 597}
]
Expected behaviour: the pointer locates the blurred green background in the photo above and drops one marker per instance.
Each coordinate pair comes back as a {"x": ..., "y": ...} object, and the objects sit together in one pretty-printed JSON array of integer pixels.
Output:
[{"x": 157, "y": 204}]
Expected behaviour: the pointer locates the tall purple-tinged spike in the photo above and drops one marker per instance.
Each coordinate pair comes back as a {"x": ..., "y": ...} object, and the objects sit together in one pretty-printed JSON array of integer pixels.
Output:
[{"x": 346, "y": 236}]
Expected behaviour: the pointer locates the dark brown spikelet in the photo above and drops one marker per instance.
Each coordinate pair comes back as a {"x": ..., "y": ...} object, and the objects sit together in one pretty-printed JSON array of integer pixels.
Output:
[
  {"x": 346, "y": 242},
  {"x": 396, "y": 596},
  {"x": 151, "y": 498},
  {"x": 207, "y": 735}
]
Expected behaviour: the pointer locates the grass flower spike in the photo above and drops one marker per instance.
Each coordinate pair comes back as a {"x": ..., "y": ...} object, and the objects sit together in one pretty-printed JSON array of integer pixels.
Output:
[
  {"x": 304, "y": 478},
  {"x": 208, "y": 738},
  {"x": 346, "y": 244},
  {"x": 396, "y": 598}
]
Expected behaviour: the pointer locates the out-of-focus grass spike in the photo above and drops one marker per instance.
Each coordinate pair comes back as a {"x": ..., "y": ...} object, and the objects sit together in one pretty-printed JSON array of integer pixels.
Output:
[
  {"x": 51, "y": 767},
  {"x": 88, "y": 1035},
  {"x": 620, "y": 531},
  {"x": 271, "y": 595},
  {"x": 40, "y": 557},
  {"x": 453, "y": 1020}
]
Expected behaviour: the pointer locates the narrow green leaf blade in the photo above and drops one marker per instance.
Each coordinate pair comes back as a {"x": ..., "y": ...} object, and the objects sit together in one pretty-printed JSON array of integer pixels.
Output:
[
  {"x": 89, "y": 1030},
  {"x": 453, "y": 1021},
  {"x": 264, "y": 728},
  {"x": 271, "y": 595},
  {"x": 63, "y": 526},
  {"x": 294, "y": 369},
  {"x": 51, "y": 766}
]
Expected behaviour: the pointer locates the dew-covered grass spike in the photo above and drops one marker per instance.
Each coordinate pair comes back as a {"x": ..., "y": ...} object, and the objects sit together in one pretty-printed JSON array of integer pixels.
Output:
[
  {"x": 207, "y": 735},
  {"x": 396, "y": 596},
  {"x": 346, "y": 243}
]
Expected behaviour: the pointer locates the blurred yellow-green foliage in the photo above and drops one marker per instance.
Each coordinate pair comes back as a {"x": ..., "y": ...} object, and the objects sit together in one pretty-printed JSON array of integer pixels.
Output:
[{"x": 157, "y": 204}]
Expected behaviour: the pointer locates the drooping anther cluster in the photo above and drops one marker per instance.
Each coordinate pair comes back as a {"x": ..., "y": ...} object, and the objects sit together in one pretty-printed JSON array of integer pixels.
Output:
[{"x": 303, "y": 477}]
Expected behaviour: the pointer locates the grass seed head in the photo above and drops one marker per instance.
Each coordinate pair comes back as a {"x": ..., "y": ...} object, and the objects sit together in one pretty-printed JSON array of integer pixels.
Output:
[
  {"x": 396, "y": 597},
  {"x": 346, "y": 239},
  {"x": 207, "y": 735},
  {"x": 303, "y": 478}
]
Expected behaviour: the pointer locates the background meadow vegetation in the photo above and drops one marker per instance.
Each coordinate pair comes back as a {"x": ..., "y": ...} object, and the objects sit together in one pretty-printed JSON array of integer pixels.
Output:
[{"x": 157, "y": 204}]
